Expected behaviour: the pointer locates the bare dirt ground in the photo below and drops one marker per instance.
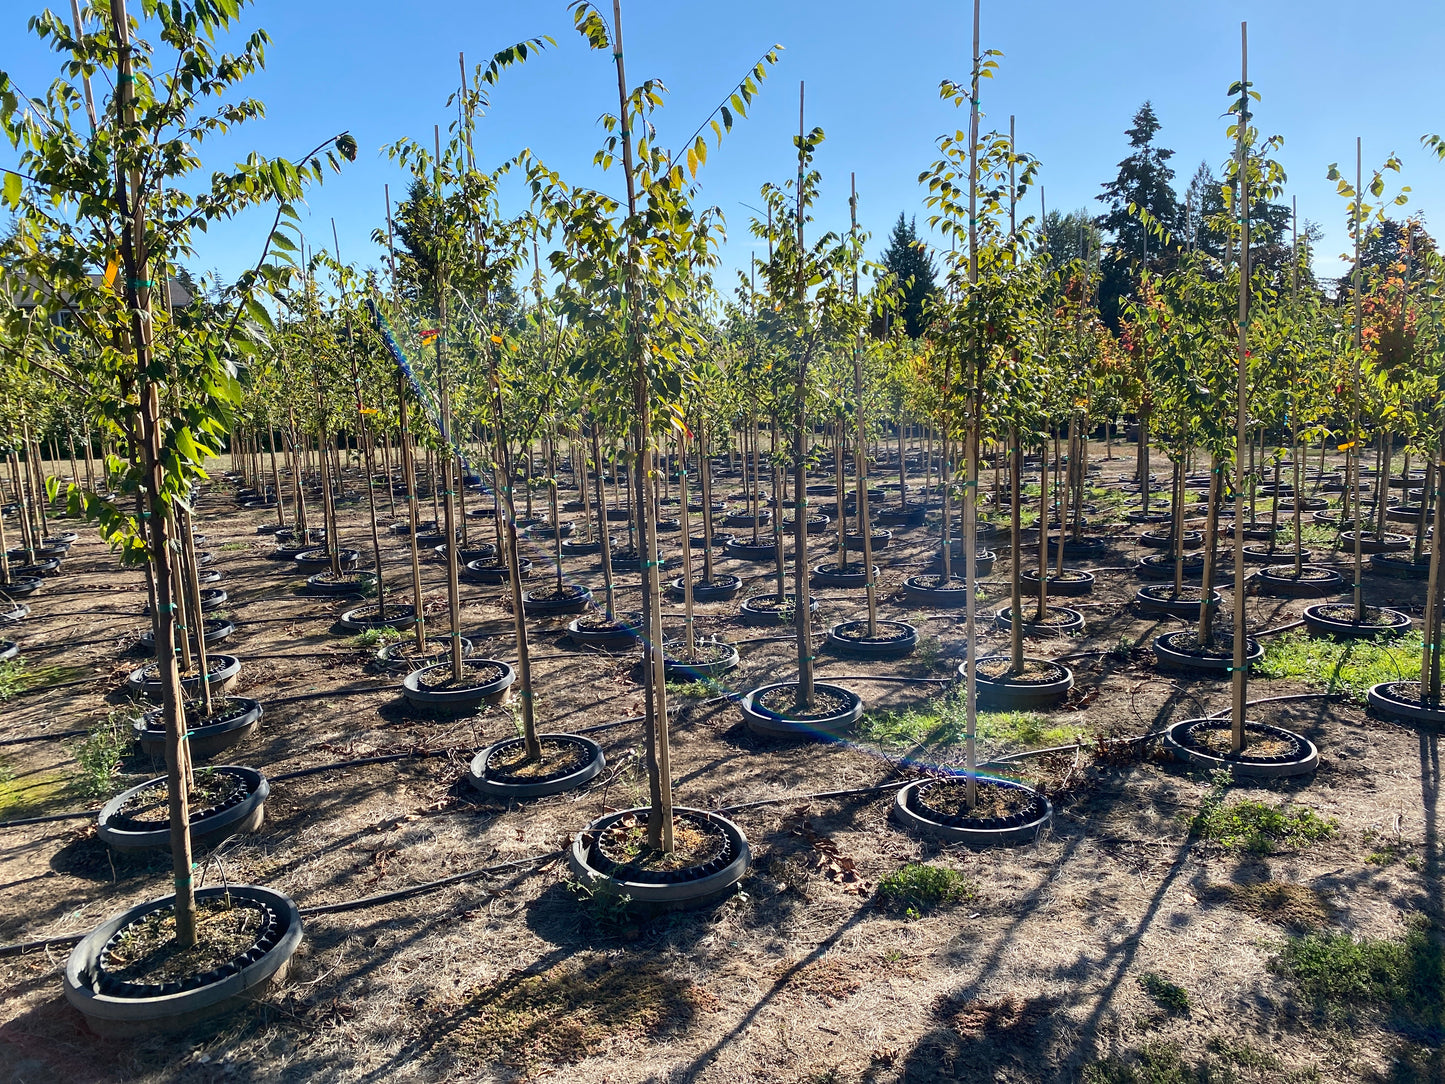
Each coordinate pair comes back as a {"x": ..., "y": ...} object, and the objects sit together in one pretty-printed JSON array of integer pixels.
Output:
[{"x": 1043, "y": 972}]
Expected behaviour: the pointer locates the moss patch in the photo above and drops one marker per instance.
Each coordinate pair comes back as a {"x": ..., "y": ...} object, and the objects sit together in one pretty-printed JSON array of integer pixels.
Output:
[
  {"x": 1281, "y": 902},
  {"x": 575, "y": 1010}
]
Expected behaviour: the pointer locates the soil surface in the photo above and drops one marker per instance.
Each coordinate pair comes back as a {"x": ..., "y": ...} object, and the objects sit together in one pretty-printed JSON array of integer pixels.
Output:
[{"x": 1044, "y": 973}]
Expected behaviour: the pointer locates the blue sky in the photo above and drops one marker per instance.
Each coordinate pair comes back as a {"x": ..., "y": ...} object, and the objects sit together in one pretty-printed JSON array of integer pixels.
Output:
[{"x": 1073, "y": 74}]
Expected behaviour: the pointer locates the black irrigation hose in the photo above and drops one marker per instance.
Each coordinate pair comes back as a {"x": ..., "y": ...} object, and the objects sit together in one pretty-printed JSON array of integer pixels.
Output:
[
  {"x": 50, "y": 819},
  {"x": 384, "y": 758},
  {"x": 421, "y": 889},
  {"x": 57, "y": 736}
]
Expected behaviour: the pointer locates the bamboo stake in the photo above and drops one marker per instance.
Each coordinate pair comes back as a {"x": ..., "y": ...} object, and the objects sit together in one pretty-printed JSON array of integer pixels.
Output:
[{"x": 1238, "y": 668}]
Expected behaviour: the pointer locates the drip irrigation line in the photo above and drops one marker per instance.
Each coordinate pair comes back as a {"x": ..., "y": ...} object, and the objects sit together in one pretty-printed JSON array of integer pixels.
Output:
[
  {"x": 421, "y": 889},
  {"x": 1287, "y": 698},
  {"x": 57, "y": 736},
  {"x": 50, "y": 818},
  {"x": 1280, "y": 628}
]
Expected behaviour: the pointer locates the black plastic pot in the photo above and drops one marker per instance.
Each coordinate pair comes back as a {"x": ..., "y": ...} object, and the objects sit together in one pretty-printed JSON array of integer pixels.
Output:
[
  {"x": 1072, "y": 584},
  {"x": 1321, "y": 624},
  {"x": 350, "y": 583},
  {"x": 124, "y": 1010},
  {"x": 721, "y": 657},
  {"x": 745, "y": 519},
  {"x": 745, "y": 550},
  {"x": 1302, "y": 758},
  {"x": 237, "y": 815},
  {"x": 771, "y": 724},
  {"x": 1389, "y": 543},
  {"x": 545, "y": 532},
  {"x": 918, "y": 591},
  {"x": 912, "y": 810},
  {"x": 660, "y": 891},
  {"x": 394, "y": 657},
  {"x": 20, "y": 587},
  {"x": 460, "y": 701},
  {"x": 1400, "y": 566},
  {"x": 1157, "y": 599},
  {"x": 1170, "y": 656},
  {"x": 216, "y": 630},
  {"x": 894, "y": 516},
  {"x": 1163, "y": 540},
  {"x": 1066, "y": 622},
  {"x": 623, "y": 632},
  {"x": 549, "y": 602},
  {"x": 1272, "y": 555},
  {"x": 720, "y": 539},
  {"x": 8, "y": 650},
  {"x": 878, "y": 540},
  {"x": 1088, "y": 546},
  {"x": 1160, "y": 566},
  {"x": 752, "y": 613},
  {"x": 1010, "y": 694},
  {"x": 1278, "y": 581},
  {"x": 491, "y": 782},
  {"x": 319, "y": 558},
  {"x": 724, "y": 586},
  {"x": 851, "y": 638},
  {"x": 238, "y": 721},
  {"x": 47, "y": 567},
  {"x": 366, "y": 618},
  {"x": 494, "y": 571},
  {"x": 477, "y": 551},
  {"x": 831, "y": 574},
  {"x": 1400, "y": 701},
  {"x": 815, "y": 524},
  {"x": 581, "y": 547},
  {"x": 224, "y": 671}
]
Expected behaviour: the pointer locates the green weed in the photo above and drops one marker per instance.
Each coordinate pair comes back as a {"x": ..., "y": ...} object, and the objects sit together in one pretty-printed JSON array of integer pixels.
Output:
[
  {"x": 12, "y": 677},
  {"x": 1345, "y": 666},
  {"x": 1340, "y": 975},
  {"x": 1164, "y": 1063},
  {"x": 941, "y": 721},
  {"x": 1256, "y": 827},
  {"x": 920, "y": 887},
  {"x": 375, "y": 638},
  {"x": 694, "y": 690},
  {"x": 98, "y": 755},
  {"x": 1171, "y": 998}
]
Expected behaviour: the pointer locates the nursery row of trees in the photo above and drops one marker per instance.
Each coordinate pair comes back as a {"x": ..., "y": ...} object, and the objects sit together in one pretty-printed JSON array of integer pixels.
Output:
[{"x": 593, "y": 329}]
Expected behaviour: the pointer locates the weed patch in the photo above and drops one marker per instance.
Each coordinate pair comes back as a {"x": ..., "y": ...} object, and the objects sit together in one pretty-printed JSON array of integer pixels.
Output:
[
  {"x": 1348, "y": 666},
  {"x": 98, "y": 756},
  {"x": 1340, "y": 975},
  {"x": 941, "y": 721},
  {"x": 920, "y": 887},
  {"x": 1258, "y": 828},
  {"x": 1172, "y": 998}
]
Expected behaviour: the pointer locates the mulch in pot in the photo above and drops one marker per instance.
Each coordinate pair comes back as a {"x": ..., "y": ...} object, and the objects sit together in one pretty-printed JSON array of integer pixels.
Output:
[
  {"x": 695, "y": 842},
  {"x": 211, "y": 791},
  {"x": 145, "y": 954},
  {"x": 783, "y": 701},
  {"x": 508, "y": 762},
  {"x": 474, "y": 676}
]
